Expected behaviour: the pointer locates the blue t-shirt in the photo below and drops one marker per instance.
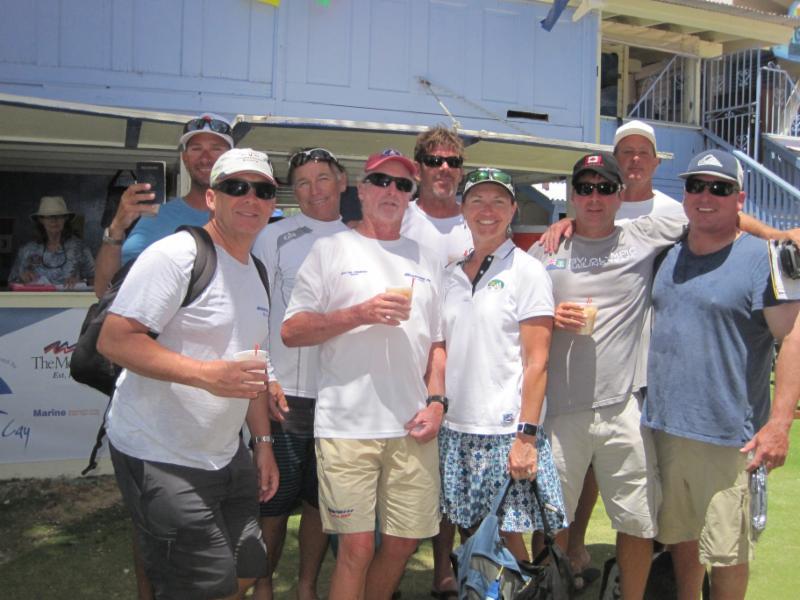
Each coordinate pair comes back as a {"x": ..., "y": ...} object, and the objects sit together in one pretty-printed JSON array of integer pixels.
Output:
[
  {"x": 711, "y": 349},
  {"x": 170, "y": 216}
]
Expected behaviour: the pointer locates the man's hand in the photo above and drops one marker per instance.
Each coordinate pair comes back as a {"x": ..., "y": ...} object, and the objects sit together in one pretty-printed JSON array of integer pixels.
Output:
[
  {"x": 425, "y": 424},
  {"x": 130, "y": 208},
  {"x": 551, "y": 238},
  {"x": 769, "y": 445},
  {"x": 569, "y": 316},
  {"x": 792, "y": 235},
  {"x": 70, "y": 282},
  {"x": 276, "y": 402},
  {"x": 234, "y": 378},
  {"x": 523, "y": 458},
  {"x": 384, "y": 309},
  {"x": 27, "y": 276},
  {"x": 267, "y": 470}
]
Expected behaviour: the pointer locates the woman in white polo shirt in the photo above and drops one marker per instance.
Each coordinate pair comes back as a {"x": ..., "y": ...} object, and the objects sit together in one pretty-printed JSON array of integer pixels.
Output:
[{"x": 497, "y": 317}]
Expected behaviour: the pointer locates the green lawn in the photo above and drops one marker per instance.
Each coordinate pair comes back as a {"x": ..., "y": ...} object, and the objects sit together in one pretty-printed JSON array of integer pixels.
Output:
[{"x": 52, "y": 546}]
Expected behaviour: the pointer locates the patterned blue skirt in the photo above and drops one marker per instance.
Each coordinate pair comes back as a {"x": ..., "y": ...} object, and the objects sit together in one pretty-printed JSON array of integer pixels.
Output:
[{"x": 474, "y": 467}]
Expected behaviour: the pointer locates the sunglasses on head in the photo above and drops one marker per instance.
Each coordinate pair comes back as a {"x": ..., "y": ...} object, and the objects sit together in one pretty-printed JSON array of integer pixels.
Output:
[
  {"x": 430, "y": 160},
  {"x": 486, "y": 174},
  {"x": 383, "y": 180},
  {"x": 604, "y": 188},
  {"x": 298, "y": 159},
  {"x": 263, "y": 190},
  {"x": 215, "y": 125},
  {"x": 716, "y": 188}
]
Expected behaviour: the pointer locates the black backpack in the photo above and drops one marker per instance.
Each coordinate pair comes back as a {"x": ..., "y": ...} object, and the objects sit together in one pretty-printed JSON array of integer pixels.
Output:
[{"x": 89, "y": 367}]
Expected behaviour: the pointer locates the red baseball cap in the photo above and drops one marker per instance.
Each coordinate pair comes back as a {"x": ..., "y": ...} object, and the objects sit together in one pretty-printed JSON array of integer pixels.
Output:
[{"x": 376, "y": 160}]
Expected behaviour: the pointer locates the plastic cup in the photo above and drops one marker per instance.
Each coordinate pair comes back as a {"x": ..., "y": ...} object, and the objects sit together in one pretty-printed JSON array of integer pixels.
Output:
[
  {"x": 590, "y": 313},
  {"x": 403, "y": 290},
  {"x": 253, "y": 355}
]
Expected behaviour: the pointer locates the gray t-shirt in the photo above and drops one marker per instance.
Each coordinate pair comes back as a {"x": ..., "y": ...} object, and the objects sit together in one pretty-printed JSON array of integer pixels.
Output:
[{"x": 590, "y": 371}]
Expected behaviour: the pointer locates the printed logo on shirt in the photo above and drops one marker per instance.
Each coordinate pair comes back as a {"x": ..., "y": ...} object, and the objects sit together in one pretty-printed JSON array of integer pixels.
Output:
[
  {"x": 354, "y": 273},
  {"x": 263, "y": 310},
  {"x": 496, "y": 284},
  {"x": 417, "y": 277},
  {"x": 291, "y": 235},
  {"x": 555, "y": 263},
  {"x": 509, "y": 418},
  {"x": 618, "y": 256}
]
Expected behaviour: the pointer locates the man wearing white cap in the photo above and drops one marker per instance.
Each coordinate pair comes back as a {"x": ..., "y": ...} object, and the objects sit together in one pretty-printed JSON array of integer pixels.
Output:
[
  {"x": 370, "y": 299},
  {"x": 716, "y": 320},
  {"x": 173, "y": 426},
  {"x": 204, "y": 140}
]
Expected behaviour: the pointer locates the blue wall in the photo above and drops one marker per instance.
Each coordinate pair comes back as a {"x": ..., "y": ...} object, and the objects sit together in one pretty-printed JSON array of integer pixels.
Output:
[{"x": 354, "y": 59}]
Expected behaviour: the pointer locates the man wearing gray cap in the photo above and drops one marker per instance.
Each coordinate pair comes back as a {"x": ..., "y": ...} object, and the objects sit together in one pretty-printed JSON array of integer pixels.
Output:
[
  {"x": 204, "y": 140},
  {"x": 182, "y": 398},
  {"x": 716, "y": 319}
]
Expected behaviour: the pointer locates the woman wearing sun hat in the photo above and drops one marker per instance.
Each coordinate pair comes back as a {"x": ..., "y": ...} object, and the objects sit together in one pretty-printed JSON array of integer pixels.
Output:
[{"x": 57, "y": 256}]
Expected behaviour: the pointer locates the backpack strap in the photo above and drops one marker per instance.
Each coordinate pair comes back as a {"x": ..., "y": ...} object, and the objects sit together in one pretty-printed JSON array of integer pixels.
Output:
[{"x": 205, "y": 263}]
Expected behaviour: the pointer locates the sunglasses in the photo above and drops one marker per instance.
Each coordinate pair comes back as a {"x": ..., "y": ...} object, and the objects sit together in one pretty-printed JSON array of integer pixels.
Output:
[
  {"x": 215, "y": 125},
  {"x": 486, "y": 174},
  {"x": 263, "y": 190},
  {"x": 604, "y": 188},
  {"x": 454, "y": 162},
  {"x": 716, "y": 188},
  {"x": 383, "y": 180},
  {"x": 298, "y": 159}
]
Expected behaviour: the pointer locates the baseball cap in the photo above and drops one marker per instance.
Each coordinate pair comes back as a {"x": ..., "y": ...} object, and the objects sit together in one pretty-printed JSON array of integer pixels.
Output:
[
  {"x": 241, "y": 160},
  {"x": 635, "y": 128},
  {"x": 602, "y": 163},
  {"x": 717, "y": 163},
  {"x": 207, "y": 123},
  {"x": 488, "y": 175},
  {"x": 376, "y": 160}
]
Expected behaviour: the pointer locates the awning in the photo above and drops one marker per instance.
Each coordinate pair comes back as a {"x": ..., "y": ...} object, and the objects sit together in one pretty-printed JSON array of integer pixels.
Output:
[{"x": 52, "y": 136}]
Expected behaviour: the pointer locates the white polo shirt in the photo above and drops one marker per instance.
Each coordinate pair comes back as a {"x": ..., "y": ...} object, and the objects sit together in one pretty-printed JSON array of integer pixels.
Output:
[
  {"x": 282, "y": 247},
  {"x": 449, "y": 238},
  {"x": 481, "y": 328},
  {"x": 371, "y": 378}
]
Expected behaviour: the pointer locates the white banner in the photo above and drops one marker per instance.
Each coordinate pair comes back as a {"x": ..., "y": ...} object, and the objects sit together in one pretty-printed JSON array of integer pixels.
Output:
[{"x": 44, "y": 414}]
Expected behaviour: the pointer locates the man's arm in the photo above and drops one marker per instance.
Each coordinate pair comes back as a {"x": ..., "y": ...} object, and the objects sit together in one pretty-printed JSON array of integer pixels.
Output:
[
  {"x": 761, "y": 230},
  {"x": 551, "y": 238},
  {"x": 312, "y": 328},
  {"x": 109, "y": 257},
  {"x": 770, "y": 445},
  {"x": 424, "y": 426},
  {"x": 126, "y": 342},
  {"x": 266, "y": 467}
]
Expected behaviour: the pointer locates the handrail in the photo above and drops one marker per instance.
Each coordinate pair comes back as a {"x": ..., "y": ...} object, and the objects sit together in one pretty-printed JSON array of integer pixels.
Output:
[{"x": 646, "y": 96}]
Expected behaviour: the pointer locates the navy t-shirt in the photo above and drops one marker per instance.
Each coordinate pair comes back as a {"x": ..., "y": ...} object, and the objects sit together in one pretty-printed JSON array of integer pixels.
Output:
[{"x": 711, "y": 349}]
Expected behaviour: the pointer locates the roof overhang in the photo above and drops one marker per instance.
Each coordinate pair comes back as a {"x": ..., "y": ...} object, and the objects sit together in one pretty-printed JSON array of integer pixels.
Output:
[{"x": 39, "y": 135}]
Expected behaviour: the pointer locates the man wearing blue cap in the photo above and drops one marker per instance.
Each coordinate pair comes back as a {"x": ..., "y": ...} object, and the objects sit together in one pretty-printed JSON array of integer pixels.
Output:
[{"x": 708, "y": 400}]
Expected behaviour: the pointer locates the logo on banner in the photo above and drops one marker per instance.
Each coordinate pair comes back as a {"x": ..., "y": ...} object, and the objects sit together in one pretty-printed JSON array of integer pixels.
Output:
[{"x": 54, "y": 359}]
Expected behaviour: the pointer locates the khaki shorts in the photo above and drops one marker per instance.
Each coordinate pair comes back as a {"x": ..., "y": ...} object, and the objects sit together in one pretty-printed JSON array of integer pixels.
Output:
[
  {"x": 396, "y": 477},
  {"x": 706, "y": 498},
  {"x": 621, "y": 451}
]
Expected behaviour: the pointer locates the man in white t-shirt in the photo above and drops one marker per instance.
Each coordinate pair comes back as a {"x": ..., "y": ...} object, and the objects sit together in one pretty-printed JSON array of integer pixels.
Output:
[
  {"x": 181, "y": 400},
  {"x": 318, "y": 181},
  {"x": 434, "y": 219},
  {"x": 370, "y": 299}
]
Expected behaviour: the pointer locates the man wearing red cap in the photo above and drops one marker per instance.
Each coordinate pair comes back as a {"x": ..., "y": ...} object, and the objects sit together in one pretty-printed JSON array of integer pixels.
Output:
[{"x": 370, "y": 299}]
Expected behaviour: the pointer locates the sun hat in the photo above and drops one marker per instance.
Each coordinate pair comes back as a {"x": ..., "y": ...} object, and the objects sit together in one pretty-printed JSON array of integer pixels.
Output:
[{"x": 52, "y": 206}]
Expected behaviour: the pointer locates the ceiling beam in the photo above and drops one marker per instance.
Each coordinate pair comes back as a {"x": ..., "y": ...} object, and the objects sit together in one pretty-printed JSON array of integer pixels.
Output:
[{"x": 659, "y": 39}]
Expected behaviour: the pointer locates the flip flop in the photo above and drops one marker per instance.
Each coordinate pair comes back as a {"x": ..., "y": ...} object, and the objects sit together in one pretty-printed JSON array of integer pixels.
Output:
[
  {"x": 444, "y": 594},
  {"x": 585, "y": 578}
]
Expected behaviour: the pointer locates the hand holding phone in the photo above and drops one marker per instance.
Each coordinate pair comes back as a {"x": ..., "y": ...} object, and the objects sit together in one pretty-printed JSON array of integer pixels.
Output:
[{"x": 155, "y": 173}]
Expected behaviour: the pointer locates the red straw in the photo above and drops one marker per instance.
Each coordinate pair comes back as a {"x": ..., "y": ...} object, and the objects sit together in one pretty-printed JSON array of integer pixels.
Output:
[
  {"x": 256, "y": 350},
  {"x": 413, "y": 279}
]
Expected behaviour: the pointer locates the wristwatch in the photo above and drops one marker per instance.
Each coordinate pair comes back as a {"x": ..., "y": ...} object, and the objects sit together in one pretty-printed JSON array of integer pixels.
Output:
[
  {"x": 527, "y": 428},
  {"x": 107, "y": 239},
  {"x": 262, "y": 439},
  {"x": 437, "y": 398}
]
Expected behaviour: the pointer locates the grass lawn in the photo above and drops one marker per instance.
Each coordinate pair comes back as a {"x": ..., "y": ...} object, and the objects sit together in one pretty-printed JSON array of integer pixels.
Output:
[{"x": 70, "y": 539}]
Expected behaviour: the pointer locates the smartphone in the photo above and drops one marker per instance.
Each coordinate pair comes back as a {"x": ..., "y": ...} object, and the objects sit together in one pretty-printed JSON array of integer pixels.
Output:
[{"x": 153, "y": 172}]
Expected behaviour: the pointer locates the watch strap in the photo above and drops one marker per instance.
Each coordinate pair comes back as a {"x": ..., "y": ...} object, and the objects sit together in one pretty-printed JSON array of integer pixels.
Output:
[
  {"x": 262, "y": 439},
  {"x": 527, "y": 428},
  {"x": 107, "y": 239},
  {"x": 437, "y": 398}
]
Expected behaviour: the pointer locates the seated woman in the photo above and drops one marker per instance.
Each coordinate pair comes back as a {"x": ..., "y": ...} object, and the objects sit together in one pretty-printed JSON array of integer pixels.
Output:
[
  {"x": 57, "y": 257},
  {"x": 497, "y": 318}
]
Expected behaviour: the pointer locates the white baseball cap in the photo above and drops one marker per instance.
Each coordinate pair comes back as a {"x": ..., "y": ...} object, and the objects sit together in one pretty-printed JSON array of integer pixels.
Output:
[
  {"x": 635, "y": 128},
  {"x": 241, "y": 160}
]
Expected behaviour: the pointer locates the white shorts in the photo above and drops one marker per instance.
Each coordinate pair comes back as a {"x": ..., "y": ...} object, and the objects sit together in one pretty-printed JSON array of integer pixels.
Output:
[{"x": 612, "y": 440}]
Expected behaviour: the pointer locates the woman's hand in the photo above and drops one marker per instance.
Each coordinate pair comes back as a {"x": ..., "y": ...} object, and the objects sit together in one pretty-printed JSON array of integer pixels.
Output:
[{"x": 523, "y": 458}]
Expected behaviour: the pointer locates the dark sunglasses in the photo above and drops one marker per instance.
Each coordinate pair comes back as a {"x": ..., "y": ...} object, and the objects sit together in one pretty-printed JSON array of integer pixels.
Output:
[
  {"x": 214, "y": 125},
  {"x": 263, "y": 190},
  {"x": 383, "y": 180},
  {"x": 487, "y": 174},
  {"x": 716, "y": 188},
  {"x": 604, "y": 188},
  {"x": 454, "y": 162},
  {"x": 298, "y": 159}
]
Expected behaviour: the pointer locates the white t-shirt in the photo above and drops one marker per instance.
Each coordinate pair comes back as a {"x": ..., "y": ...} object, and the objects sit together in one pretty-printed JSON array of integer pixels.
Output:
[
  {"x": 660, "y": 205},
  {"x": 449, "y": 238},
  {"x": 481, "y": 329},
  {"x": 283, "y": 246},
  {"x": 371, "y": 378},
  {"x": 174, "y": 423}
]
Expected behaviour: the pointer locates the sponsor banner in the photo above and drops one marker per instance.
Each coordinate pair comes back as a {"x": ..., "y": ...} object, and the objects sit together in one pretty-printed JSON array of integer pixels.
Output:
[{"x": 44, "y": 414}]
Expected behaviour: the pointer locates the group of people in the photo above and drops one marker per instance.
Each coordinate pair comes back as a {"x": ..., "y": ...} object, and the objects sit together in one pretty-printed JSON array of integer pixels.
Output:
[{"x": 417, "y": 360}]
